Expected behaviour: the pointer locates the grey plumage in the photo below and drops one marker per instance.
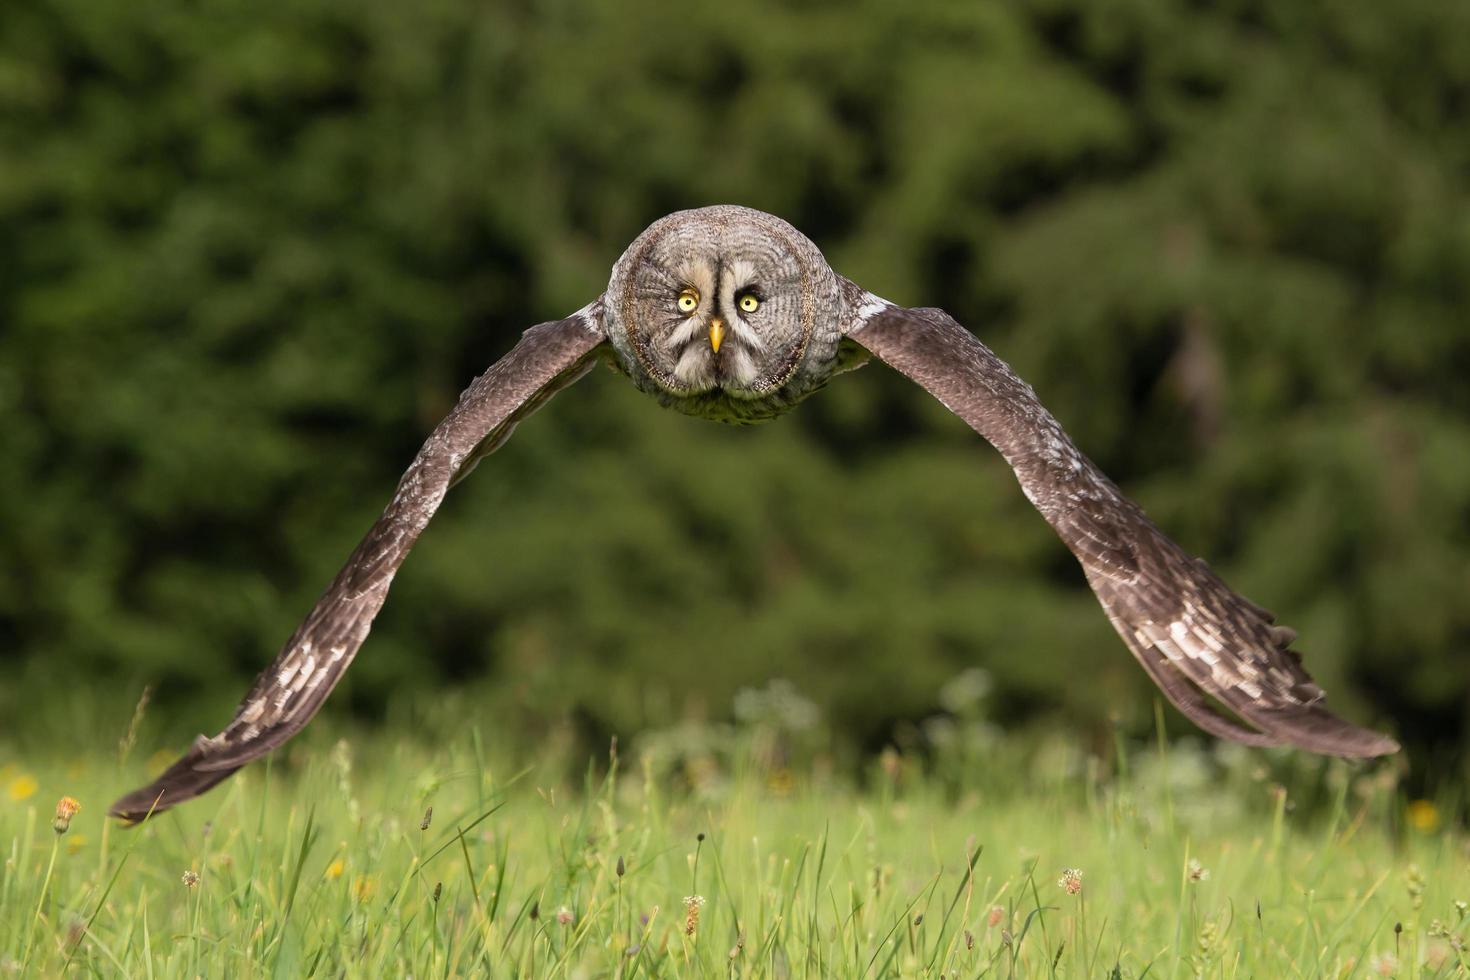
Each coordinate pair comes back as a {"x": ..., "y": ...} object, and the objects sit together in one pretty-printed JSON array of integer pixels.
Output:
[{"x": 732, "y": 314}]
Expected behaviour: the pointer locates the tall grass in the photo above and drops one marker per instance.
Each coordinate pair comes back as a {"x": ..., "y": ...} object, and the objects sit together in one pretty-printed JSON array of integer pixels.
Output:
[{"x": 740, "y": 857}]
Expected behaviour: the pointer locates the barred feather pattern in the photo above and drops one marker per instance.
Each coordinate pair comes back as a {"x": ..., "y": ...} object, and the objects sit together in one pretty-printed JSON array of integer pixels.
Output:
[
  {"x": 1195, "y": 637},
  {"x": 289, "y": 692}
]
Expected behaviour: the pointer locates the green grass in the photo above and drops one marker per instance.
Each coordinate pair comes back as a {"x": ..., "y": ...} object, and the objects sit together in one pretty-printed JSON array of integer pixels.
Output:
[{"x": 1228, "y": 864}]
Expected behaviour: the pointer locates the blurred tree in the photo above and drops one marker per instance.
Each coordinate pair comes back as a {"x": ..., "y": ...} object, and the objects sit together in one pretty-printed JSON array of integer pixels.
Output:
[{"x": 249, "y": 254}]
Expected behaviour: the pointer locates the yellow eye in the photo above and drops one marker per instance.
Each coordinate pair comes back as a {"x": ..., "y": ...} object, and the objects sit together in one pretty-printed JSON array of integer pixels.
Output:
[
  {"x": 688, "y": 301},
  {"x": 749, "y": 304}
]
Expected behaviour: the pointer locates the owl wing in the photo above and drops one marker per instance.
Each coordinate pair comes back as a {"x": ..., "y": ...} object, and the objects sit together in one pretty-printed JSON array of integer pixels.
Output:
[
  {"x": 1194, "y": 636},
  {"x": 284, "y": 698}
]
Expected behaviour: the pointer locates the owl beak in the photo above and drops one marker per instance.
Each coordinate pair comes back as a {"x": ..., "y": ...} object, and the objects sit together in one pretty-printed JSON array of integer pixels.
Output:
[{"x": 716, "y": 333}]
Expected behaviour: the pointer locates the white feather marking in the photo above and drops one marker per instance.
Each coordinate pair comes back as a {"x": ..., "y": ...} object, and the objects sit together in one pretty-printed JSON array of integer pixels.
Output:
[
  {"x": 589, "y": 315},
  {"x": 870, "y": 306}
]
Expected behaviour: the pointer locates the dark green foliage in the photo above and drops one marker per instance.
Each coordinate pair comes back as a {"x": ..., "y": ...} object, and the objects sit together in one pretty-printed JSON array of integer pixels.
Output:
[{"x": 250, "y": 253}]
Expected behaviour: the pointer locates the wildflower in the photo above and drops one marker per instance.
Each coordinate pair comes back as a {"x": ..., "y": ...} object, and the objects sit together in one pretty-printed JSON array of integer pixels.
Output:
[
  {"x": 66, "y": 808},
  {"x": 1423, "y": 816},
  {"x": 334, "y": 870},
  {"x": 75, "y": 843},
  {"x": 564, "y": 916},
  {"x": 996, "y": 915},
  {"x": 364, "y": 887},
  {"x": 1071, "y": 880},
  {"x": 692, "y": 905},
  {"x": 190, "y": 878},
  {"x": 21, "y": 787},
  {"x": 1437, "y": 953},
  {"x": 1197, "y": 871}
]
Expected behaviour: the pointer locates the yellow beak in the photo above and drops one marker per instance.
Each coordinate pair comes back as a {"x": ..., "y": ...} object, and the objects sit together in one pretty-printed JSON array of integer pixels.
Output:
[{"x": 716, "y": 333}]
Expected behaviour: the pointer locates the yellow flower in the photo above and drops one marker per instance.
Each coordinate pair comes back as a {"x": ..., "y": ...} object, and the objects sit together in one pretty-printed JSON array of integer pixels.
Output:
[
  {"x": 75, "y": 843},
  {"x": 22, "y": 787},
  {"x": 1423, "y": 816},
  {"x": 364, "y": 887},
  {"x": 334, "y": 870}
]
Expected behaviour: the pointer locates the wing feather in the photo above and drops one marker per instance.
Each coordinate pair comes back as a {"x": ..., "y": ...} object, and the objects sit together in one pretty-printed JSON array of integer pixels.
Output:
[
  {"x": 288, "y": 693},
  {"x": 1193, "y": 635}
]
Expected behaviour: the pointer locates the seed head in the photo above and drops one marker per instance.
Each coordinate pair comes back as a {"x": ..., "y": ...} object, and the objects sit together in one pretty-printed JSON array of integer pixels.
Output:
[
  {"x": 1197, "y": 871},
  {"x": 692, "y": 905},
  {"x": 997, "y": 914},
  {"x": 622, "y": 868},
  {"x": 191, "y": 878},
  {"x": 438, "y": 890},
  {"x": 1071, "y": 880},
  {"x": 428, "y": 816},
  {"x": 564, "y": 916}
]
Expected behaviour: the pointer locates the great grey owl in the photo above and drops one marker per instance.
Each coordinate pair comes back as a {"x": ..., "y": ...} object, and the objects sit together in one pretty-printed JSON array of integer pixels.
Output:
[{"x": 732, "y": 314}]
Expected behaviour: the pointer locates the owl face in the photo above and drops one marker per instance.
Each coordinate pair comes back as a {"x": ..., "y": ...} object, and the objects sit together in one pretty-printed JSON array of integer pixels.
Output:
[{"x": 721, "y": 301}]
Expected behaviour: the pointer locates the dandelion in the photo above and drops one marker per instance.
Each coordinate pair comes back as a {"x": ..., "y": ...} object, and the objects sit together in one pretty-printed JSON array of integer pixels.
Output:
[
  {"x": 334, "y": 870},
  {"x": 1197, "y": 871},
  {"x": 190, "y": 878},
  {"x": 1423, "y": 816},
  {"x": 22, "y": 787},
  {"x": 364, "y": 887},
  {"x": 1071, "y": 880},
  {"x": 996, "y": 916},
  {"x": 66, "y": 808},
  {"x": 692, "y": 905}
]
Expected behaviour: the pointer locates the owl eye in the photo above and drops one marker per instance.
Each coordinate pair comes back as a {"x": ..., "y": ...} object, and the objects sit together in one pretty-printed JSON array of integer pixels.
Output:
[
  {"x": 749, "y": 303},
  {"x": 688, "y": 301}
]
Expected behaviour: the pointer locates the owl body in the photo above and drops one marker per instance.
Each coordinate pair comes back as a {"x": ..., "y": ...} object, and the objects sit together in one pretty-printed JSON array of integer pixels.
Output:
[
  {"x": 725, "y": 313},
  {"x": 731, "y": 314}
]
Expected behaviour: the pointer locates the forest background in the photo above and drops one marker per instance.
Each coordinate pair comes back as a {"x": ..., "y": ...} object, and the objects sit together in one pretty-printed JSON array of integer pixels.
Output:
[{"x": 250, "y": 254}]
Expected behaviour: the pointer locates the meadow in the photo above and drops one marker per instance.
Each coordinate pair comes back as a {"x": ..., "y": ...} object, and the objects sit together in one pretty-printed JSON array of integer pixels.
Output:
[{"x": 734, "y": 851}]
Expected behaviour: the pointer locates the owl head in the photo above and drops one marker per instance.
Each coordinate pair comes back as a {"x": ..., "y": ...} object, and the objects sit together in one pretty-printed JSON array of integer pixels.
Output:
[{"x": 723, "y": 305}]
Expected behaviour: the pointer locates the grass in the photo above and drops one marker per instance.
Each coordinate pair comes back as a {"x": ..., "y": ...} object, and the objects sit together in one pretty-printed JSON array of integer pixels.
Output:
[{"x": 727, "y": 861}]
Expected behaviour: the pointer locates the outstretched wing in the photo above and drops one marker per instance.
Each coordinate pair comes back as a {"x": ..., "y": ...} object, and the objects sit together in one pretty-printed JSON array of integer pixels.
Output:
[
  {"x": 1193, "y": 635},
  {"x": 549, "y": 357}
]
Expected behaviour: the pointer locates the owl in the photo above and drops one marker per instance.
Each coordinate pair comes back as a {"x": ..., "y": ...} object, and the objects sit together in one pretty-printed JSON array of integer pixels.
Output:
[{"x": 731, "y": 314}]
